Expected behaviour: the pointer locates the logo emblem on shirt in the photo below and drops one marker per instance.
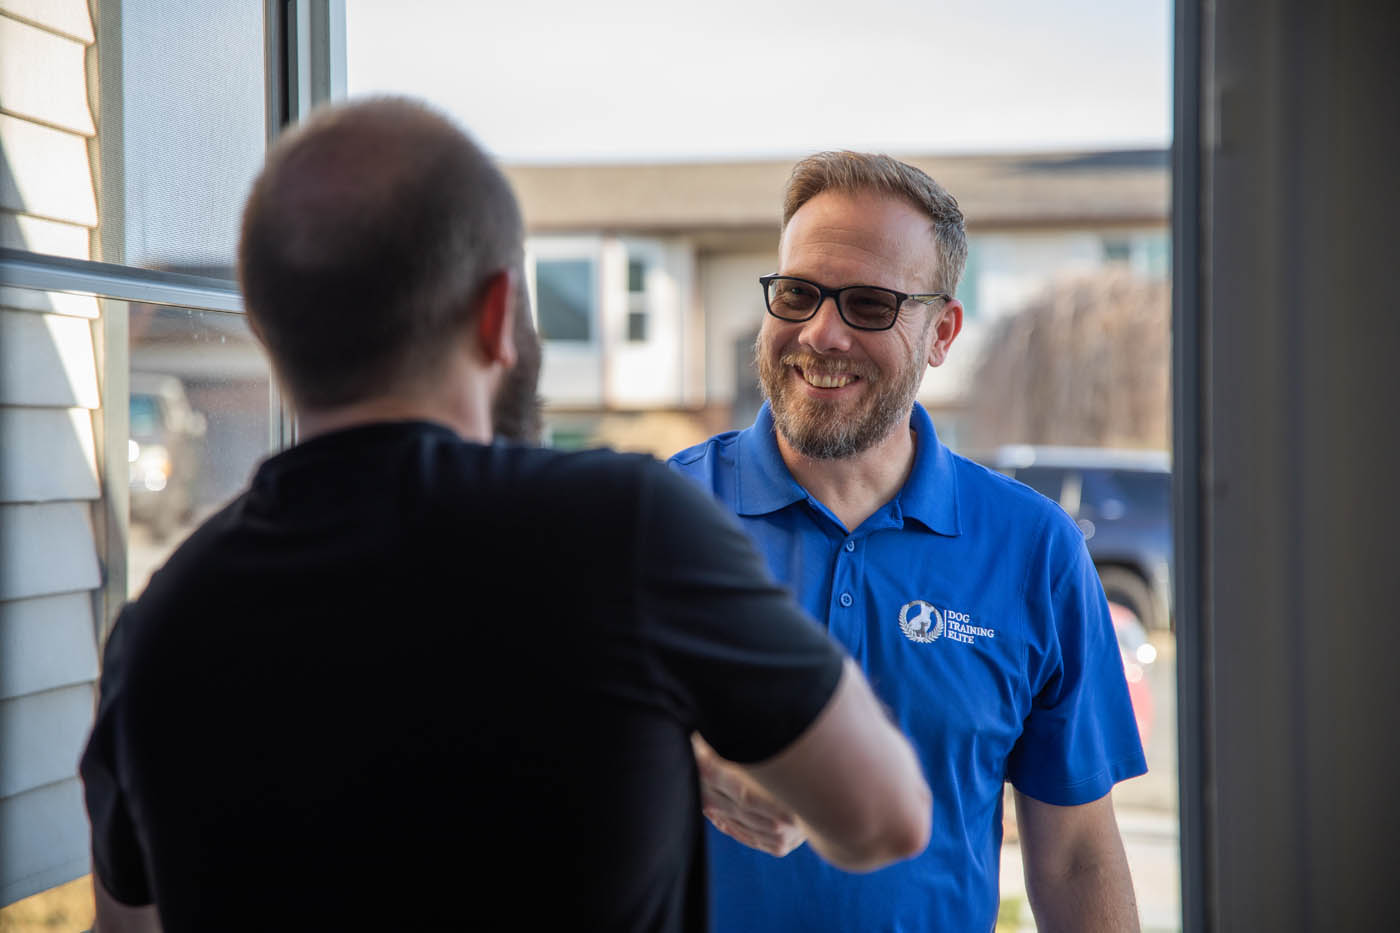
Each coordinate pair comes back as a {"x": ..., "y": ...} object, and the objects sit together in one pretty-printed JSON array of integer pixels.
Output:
[
  {"x": 920, "y": 621},
  {"x": 923, "y": 622}
]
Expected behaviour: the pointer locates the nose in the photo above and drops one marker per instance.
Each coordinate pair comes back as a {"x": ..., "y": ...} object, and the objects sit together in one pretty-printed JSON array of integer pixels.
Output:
[{"x": 825, "y": 331}]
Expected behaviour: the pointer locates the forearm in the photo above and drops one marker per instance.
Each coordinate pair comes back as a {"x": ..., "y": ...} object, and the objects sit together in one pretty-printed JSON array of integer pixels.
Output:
[
  {"x": 1092, "y": 896},
  {"x": 1077, "y": 874},
  {"x": 112, "y": 916},
  {"x": 854, "y": 782}
]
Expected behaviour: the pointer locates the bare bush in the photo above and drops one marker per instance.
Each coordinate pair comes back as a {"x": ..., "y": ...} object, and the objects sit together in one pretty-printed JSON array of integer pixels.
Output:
[{"x": 1087, "y": 362}]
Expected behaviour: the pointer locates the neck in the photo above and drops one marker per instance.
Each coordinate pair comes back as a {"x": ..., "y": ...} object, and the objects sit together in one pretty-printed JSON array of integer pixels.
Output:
[
  {"x": 457, "y": 400},
  {"x": 854, "y": 487},
  {"x": 314, "y": 422}
]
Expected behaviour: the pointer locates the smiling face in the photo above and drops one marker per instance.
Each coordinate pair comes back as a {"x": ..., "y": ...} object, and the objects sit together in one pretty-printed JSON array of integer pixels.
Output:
[{"x": 836, "y": 391}]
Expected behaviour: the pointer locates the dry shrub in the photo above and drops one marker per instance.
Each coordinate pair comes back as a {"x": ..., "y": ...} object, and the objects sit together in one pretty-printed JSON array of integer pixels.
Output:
[{"x": 1086, "y": 363}]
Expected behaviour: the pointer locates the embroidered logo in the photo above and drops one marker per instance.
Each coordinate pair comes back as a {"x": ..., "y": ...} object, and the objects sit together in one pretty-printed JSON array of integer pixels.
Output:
[
  {"x": 920, "y": 621},
  {"x": 923, "y": 622}
]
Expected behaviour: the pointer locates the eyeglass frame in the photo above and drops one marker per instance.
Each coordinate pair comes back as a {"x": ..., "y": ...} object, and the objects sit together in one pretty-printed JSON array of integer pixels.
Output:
[{"x": 823, "y": 293}]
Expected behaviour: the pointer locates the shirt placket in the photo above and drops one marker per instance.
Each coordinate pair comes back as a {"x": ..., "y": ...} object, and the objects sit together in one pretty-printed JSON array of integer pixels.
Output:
[{"x": 846, "y": 610}]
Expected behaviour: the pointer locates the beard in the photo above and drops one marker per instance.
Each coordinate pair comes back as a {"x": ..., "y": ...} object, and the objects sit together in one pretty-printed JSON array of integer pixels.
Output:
[
  {"x": 821, "y": 430},
  {"x": 515, "y": 409}
]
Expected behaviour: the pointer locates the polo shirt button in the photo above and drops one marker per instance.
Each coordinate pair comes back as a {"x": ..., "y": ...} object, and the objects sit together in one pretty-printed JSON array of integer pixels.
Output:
[
  {"x": 850, "y": 546},
  {"x": 846, "y": 600}
]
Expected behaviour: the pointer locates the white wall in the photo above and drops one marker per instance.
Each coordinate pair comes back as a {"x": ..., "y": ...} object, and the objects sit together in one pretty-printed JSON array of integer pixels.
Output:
[{"x": 733, "y": 307}]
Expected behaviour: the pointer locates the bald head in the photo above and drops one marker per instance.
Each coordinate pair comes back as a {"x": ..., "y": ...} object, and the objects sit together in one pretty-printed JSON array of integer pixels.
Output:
[{"x": 367, "y": 241}]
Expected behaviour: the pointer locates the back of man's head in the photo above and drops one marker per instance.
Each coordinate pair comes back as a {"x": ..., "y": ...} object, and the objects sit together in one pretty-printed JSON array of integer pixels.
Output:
[
  {"x": 366, "y": 242},
  {"x": 864, "y": 172}
]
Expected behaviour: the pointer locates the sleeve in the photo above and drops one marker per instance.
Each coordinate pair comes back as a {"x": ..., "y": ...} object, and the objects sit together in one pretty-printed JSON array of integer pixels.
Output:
[
  {"x": 116, "y": 851},
  {"x": 739, "y": 658},
  {"x": 1080, "y": 737}
]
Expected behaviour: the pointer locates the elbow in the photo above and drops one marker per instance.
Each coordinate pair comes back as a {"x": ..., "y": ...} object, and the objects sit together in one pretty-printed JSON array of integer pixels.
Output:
[
  {"x": 909, "y": 834},
  {"x": 902, "y": 832},
  {"x": 919, "y": 826}
]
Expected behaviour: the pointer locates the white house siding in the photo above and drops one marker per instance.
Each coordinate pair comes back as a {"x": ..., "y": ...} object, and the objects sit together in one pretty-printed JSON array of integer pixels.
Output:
[
  {"x": 648, "y": 373},
  {"x": 49, "y": 487}
]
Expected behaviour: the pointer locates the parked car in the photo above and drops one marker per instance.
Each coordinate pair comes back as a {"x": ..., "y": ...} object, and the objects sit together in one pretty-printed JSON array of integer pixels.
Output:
[
  {"x": 1122, "y": 502},
  {"x": 164, "y": 453}
]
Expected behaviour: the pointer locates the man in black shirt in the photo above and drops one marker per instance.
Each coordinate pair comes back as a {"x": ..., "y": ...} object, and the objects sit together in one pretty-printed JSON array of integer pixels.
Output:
[{"x": 411, "y": 679}]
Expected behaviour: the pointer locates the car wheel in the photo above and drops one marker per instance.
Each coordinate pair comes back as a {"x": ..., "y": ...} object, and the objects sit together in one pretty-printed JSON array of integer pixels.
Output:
[{"x": 1123, "y": 586}]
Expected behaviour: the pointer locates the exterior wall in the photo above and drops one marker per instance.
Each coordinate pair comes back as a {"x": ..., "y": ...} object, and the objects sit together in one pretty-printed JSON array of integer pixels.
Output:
[
  {"x": 50, "y": 496},
  {"x": 610, "y": 371},
  {"x": 732, "y": 305}
]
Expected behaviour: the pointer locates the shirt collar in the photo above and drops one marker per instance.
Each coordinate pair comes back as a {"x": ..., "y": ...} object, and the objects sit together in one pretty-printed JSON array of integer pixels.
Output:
[
  {"x": 930, "y": 495},
  {"x": 931, "y": 492},
  {"x": 765, "y": 483}
]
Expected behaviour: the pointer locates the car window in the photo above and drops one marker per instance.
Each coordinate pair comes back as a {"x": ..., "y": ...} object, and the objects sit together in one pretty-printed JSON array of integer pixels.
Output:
[
  {"x": 145, "y": 416},
  {"x": 1149, "y": 493},
  {"x": 1113, "y": 494},
  {"x": 1048, "y": 481}
]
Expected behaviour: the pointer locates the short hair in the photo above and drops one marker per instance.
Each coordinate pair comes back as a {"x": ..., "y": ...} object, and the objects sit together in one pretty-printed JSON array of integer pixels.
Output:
[
  {"x": 854, "y": 172},
  {"x": 366, "y": 243}
]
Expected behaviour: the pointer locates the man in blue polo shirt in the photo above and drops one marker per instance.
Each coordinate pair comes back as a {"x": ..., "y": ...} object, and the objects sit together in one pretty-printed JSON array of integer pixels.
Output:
[{"x": 969, "y": 600}]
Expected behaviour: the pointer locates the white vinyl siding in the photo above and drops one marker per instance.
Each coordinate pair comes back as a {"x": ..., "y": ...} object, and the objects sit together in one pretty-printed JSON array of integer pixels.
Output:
[{"x": 50, "y": 493}]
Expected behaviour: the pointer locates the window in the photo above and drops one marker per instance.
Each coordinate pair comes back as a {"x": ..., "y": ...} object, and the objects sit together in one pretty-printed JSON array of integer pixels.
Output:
[
  {"x": 1047, "y": 481},
  {"x": 636, "y": 301},
  {"x": 968, "y": 285},
  {"x": 1117, "y": 249},
  {"x": 200, "y": 408},
  {"x": 565, "y": 299},
  {"x": 132, "y": 386},
  {"x": 1114, "y": 494}
]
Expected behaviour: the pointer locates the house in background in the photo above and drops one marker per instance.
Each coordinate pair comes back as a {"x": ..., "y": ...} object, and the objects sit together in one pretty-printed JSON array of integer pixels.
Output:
[{"x": 645, "y": 276}]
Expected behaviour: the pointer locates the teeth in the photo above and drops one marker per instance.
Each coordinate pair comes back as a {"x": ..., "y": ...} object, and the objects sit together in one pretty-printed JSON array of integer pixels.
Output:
[{"x": 834, "y": 381}]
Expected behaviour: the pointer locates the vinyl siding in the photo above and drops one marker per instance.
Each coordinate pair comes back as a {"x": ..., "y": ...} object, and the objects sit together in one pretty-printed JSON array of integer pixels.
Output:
[{"x": 50, "y": 489}]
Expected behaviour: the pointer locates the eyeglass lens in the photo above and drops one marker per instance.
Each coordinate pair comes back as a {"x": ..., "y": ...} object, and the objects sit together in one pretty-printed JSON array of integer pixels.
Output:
[{"x": 865, "y": 307}]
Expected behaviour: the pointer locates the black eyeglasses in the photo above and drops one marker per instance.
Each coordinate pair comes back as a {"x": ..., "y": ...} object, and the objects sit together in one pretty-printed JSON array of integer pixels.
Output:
[{"x": 864, "y": 307}]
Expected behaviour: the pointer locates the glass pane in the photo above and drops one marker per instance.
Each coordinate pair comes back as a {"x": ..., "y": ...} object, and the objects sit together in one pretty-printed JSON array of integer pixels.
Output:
[
  {"x": 636, "y": 276},
  {"x": 200, "y": 421},
  {"x": 1044, "y": 480},
  {"x": 1101, "y": 495},
  {"x": 181, "y": 131},
  {"x": 1117, "y": 250},
  {"x": 1128, "y": 492},
  {"x": 564, "y": 293},
  {"x": 637, "y": 326}
]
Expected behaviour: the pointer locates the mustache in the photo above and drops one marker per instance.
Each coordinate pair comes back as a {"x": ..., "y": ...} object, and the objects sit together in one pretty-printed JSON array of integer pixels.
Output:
[{"x": 819, "y": 365}]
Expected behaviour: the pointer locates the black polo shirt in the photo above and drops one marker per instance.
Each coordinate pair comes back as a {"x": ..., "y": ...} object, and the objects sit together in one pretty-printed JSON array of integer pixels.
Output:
[{"x": 410, "y": 682}]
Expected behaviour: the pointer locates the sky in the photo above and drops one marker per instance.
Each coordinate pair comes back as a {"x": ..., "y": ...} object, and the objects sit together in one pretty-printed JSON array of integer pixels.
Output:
[{"x": 546, "y": 81}]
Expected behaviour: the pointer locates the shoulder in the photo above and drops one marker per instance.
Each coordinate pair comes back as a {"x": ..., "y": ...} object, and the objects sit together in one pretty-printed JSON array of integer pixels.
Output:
[
  {"x": 999, "y": 508},
  {"x": 507, "y": 476},
  {"x": 712, "y": 466},
  {"x": 986, "y": 490},
  {"x": 721, "y": 448}
]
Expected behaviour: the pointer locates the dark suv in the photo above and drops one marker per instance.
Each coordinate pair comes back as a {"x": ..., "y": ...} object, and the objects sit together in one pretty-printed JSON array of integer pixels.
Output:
[{"x": 1122, "y": 501}]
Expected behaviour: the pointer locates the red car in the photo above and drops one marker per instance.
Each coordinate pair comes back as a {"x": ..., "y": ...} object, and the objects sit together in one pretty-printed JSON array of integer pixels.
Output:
[{"x": 1138, "y": 655}]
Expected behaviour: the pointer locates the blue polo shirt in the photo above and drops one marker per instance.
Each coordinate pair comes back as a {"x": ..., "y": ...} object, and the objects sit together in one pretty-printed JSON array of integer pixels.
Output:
[{"x": 972, "y": 605}]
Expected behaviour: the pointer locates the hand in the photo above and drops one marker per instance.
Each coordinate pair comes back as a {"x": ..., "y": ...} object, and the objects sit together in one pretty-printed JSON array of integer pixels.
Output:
[{"x": 742, "y": 810}]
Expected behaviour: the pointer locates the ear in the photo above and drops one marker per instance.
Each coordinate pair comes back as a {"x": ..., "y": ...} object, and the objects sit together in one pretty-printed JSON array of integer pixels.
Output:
[
  {"x": 494, "y": 325},
  {"x": 946, "y": 328}
]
